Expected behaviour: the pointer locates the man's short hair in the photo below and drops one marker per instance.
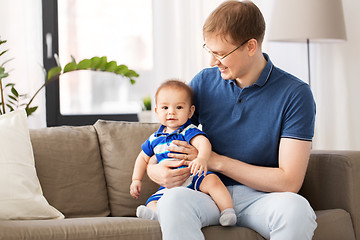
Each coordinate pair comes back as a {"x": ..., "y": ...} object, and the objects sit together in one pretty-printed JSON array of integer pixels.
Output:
[{"x": 240, "y": 21}]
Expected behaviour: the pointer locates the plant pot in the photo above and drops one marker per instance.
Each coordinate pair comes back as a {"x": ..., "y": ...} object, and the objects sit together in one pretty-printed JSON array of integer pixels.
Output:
[{"x": 145, "y": 116}]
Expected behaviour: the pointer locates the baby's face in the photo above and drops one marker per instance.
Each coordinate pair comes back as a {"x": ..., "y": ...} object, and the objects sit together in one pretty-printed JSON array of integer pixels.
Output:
[{"x": 173, "y": 107}]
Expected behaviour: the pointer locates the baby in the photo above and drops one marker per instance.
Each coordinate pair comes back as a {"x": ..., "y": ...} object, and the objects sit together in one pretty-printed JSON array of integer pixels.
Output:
[{"x": 174, "y": 108}]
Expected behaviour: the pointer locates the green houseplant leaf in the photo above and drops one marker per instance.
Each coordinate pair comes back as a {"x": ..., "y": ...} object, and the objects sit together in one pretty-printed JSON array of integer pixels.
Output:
[
  {"x": 84, "y": 64},
  {"x": 94, "y": 64},
  {"x": 54, "y": 73},
  {"x": 15, "y": 100},
  {"x": 71, "y": 66}
]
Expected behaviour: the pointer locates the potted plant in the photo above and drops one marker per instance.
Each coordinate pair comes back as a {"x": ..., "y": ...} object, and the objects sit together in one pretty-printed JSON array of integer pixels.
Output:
[
  {"x": 145, "y": 115},
  {"x": 13, "y": 100}
]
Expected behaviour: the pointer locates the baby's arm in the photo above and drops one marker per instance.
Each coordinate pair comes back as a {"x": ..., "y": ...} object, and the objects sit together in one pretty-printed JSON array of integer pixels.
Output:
[
  {"x": 139, "y": 170},
  {"x": 203, "y": 145}
]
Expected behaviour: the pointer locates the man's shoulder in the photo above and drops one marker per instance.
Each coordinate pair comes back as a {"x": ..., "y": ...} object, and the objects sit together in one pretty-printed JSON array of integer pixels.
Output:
[
  {"x": 285, "y": 78},
  {"x": 206, "y": 72}
]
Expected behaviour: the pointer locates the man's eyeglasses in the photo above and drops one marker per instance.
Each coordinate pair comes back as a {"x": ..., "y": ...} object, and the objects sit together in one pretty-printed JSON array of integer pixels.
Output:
[{"x": 218, "y": 57}]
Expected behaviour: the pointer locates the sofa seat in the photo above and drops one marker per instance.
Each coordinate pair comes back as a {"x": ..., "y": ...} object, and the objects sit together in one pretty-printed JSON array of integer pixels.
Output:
[
  {"x": 85, "y": 173},
  {"x": 109, "y": 228},
  {"x": 333, "y": 224}
]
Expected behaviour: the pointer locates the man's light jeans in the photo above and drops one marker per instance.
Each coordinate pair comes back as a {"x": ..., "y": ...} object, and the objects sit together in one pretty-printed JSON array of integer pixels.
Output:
[{"x": 183, "y": 212}]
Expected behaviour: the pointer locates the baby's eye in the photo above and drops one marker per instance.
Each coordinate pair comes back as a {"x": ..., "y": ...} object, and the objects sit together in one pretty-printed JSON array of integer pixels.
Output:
[
  {"x": 164, "y": 107},
  {"x": 179, "y": 107}
]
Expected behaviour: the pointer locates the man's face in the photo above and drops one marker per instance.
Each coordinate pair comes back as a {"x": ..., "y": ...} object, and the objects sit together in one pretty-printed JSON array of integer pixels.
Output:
[{"x": 233, "y": 65}]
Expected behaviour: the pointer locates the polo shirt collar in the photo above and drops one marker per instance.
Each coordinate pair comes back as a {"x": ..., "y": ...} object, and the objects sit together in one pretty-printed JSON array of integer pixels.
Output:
[
  {"x": 264, "y": 76},
  {"x": 160, "y": 131}
]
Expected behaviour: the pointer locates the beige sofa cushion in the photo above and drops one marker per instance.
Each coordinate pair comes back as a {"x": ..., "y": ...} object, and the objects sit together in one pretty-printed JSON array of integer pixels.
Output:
[
  {"x": 333, "y": 224},
  {"x": 99, "y": 228},
  {"x": 120, "y": 143},
  {"x": 70, "y": 171}
]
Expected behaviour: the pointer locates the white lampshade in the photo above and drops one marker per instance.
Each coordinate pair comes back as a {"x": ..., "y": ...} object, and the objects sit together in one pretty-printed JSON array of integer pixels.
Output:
[{"x": 300, "y": 20}]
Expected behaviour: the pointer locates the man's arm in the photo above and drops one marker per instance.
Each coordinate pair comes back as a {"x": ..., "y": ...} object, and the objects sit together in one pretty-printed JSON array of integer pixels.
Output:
[{"x": 288, "y": 177}]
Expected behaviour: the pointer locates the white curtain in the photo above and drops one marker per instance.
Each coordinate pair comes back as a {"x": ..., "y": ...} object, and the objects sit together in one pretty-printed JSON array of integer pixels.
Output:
[
  {"x": 21, "y": 26},
  {"x": 178, "y": 37}
]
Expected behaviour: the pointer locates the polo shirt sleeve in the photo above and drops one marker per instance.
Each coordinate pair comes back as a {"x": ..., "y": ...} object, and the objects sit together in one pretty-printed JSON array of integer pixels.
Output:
[
  {"x": 299, "y": 117},
  {"x": 147, "y": 148},
  {"x": 192, "y": 131}
]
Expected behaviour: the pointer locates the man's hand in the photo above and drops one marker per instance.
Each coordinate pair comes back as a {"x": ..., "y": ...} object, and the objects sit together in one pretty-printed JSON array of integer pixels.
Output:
[
  {"x": 185, "y": 151},
  {"x": 167, "y": 174}
]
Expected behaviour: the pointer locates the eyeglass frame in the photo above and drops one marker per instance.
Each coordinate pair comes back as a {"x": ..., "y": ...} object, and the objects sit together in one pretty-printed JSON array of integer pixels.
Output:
[{"x": 222, "y": 58}]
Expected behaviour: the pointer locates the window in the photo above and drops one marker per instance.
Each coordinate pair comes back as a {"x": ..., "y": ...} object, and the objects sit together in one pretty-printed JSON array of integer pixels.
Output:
[{"x": 120, "y": 30}]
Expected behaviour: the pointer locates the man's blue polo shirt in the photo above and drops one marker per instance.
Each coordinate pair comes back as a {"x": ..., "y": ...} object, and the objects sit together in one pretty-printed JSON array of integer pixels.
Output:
[{"x": 247, "y": 124}]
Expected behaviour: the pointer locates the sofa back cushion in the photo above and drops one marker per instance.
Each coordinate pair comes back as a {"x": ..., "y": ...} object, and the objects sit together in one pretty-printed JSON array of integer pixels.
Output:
[
  {"x": 69, "y": 167},
  {"x": 120, "y": 144}
]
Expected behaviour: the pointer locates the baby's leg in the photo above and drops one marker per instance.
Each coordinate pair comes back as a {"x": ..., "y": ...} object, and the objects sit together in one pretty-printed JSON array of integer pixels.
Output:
[
  {"x": 212, "y": 185},
  {"x": 148, "y": 211}
]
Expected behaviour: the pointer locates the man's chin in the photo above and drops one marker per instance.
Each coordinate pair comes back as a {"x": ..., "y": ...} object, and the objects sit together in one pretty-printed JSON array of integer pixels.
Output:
[{"x": 225, "y": 76}]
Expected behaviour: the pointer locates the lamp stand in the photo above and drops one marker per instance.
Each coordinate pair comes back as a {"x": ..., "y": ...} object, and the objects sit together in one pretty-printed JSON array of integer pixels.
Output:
[{"x": 308, "y": 58}]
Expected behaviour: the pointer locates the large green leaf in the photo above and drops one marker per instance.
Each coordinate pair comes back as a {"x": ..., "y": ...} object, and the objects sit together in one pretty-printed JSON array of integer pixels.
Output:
[
  {"x": 10, "y": 107},
  {"x": 54, "y": 72},
  {"x": 102, "y": 64},
  {"x": 71, "y": 66},
  {"x": 121, "y": 69},
  {"x": 12, "y": 97},
  {"x": 131, "y": 73},
  {"x": 15, "y": 92},
  {"x": 30, "y": 110},
  {"x": 111, "y": 66},
  {"x": 3, "y": 75},
  {"x": 84, "y": 64},
  {"x": 95, "y": 62},
  {"x": 3, "y": 52}
]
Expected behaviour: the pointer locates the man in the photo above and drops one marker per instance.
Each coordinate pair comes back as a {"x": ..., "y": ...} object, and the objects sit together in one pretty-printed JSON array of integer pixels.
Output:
[{"x": 260, "y": 121}]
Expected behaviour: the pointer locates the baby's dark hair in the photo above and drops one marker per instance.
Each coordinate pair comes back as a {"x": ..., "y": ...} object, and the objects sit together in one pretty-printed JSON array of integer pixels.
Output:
[{"x": 175, "y": 83}]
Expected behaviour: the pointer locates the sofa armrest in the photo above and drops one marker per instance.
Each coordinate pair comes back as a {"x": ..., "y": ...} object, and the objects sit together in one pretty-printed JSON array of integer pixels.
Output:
[{"x": 333, "y": 181}]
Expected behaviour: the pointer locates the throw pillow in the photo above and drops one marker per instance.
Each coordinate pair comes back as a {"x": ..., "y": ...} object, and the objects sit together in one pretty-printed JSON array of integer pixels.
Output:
[{"x": 20, "y": 191}]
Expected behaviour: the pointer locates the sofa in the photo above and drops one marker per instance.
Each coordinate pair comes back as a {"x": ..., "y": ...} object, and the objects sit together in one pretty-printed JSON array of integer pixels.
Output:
[{"x": 85, "y": 173}]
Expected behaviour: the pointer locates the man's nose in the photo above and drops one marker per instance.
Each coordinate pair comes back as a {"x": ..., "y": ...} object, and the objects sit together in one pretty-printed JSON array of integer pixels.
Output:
[{"x": 214, "y": 61}]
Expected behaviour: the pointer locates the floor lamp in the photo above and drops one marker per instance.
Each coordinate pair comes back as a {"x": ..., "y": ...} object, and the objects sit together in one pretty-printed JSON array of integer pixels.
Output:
[{"x": 307, "y": 20}]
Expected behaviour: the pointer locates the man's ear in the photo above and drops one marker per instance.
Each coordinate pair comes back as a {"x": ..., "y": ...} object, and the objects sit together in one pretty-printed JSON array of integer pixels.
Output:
[
  {"x": 192, "y": 110},
  {"x": 252, "y": 46}
]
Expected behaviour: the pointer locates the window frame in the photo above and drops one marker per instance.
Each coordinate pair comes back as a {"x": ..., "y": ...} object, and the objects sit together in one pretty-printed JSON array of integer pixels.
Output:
[{"x": 52, "y": 90}]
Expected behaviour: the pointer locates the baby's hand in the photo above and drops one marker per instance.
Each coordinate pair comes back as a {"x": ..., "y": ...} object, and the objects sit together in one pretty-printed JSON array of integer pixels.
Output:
[
  {"x": 198, "y": 165},
  {"x": 135, "y": 189}
]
